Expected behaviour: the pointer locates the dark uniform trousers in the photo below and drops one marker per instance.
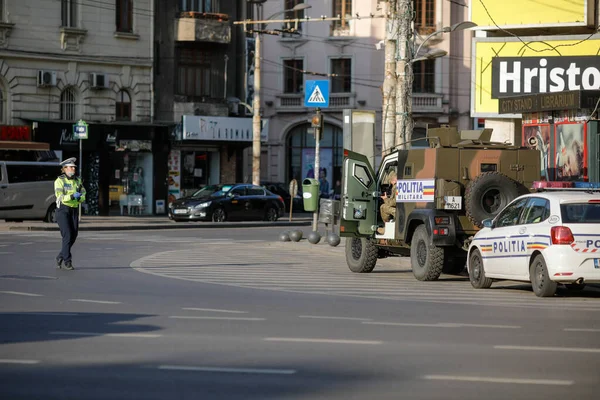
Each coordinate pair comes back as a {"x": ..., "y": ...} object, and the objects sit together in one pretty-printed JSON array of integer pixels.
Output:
[{"x": 68, "y": 222}]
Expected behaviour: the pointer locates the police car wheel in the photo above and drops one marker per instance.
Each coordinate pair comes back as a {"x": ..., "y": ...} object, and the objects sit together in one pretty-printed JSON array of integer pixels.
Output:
[
  {"x": 477, "y": 273},
  {"x": 361, "y": 255},
  {"x": 427, "y": 260},
  {"x": 541, "y": 283}
]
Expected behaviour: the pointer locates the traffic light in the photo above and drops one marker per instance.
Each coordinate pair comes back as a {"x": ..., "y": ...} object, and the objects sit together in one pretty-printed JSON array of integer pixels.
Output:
[{"x": 317, "y": 121}]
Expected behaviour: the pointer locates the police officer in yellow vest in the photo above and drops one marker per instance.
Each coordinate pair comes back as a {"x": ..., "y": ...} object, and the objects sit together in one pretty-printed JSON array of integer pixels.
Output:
[{"x": 70, "y": 193}]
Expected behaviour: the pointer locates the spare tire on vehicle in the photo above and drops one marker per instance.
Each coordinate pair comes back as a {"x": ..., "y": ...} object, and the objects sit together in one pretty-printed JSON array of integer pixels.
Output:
[{"x": 487, "y": 195}]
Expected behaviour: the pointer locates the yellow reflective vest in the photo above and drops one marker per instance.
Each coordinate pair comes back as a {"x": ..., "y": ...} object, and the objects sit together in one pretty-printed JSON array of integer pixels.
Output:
[{"x": 65, "y": 187}]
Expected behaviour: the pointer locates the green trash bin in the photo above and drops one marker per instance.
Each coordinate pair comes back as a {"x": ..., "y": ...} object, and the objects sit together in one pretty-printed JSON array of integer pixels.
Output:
[{"x": 310, "y": 194}]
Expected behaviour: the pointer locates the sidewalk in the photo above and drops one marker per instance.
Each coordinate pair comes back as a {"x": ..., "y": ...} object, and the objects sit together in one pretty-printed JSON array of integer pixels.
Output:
[{"x": 120, "y": 223}]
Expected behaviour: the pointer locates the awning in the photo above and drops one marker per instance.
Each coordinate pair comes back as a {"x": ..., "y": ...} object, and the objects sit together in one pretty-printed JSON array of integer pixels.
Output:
[{"x": 10, "y": 145}]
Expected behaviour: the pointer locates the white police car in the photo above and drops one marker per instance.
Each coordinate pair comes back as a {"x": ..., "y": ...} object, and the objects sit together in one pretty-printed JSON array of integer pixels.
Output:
[{"x": 546, "y": 238}]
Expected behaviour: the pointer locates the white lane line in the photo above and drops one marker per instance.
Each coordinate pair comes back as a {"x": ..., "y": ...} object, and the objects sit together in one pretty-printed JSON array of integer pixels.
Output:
[
  {"x": 46, "y": 251},
  {"x": 6, "y": 252},
  {"x": 216, "y": 318},
  {"x": 8, "y": 361},
  {"x": 540, "y": 348},
  {"x": 581, "y": 330},
  {"x": 21, "y": 293},
  {"x": 228, "y": 370},
  {"x": 25, "y": 243},
  {"x": 129, "y": 335},
  {"x": 444, "y": 325},
  {"x": 214, "y": 310},
  {"x": 95, "y": 301},
  {"x": 316, "y": 340},
  {"x": 499, "y": 380},
  {"x": 3, "y": 245},
  {"x": 325, "y": 317}
]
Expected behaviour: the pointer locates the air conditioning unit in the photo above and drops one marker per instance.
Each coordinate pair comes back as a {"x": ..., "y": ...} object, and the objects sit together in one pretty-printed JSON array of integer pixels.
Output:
[
  {"x": 46, "y": 78},
  {"x": 98, "y": 81}
]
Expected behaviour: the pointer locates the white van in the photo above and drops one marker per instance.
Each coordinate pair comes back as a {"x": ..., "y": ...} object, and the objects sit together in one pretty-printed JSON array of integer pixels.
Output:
[{"x": 27, "y": 190}]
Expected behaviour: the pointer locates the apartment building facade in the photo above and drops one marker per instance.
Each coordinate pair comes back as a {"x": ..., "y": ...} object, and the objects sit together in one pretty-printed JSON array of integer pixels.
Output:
[{"x": 347, "y": 53}]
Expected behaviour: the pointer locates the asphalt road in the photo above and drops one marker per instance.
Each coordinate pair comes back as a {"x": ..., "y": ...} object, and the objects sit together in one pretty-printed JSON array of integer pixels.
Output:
[{"x": 235, "y": 314}]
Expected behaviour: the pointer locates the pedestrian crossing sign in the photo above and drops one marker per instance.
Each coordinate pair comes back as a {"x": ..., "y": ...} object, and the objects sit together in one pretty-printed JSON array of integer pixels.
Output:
[{"x": 316, "y": 94}]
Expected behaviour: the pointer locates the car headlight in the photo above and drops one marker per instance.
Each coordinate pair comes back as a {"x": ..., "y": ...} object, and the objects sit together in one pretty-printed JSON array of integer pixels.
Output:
[{"x": 202, "y": 205}]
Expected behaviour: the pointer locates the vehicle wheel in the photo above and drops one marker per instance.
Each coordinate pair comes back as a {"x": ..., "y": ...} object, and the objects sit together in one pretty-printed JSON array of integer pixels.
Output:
[
  {"x": 575, "y": 286},
  {"x": 51, "y": 214},
  {"x": 487, "y": 194},
  {"x": 361, "y": 255},
  {"x": 541, "y": 283},
  {"x": 271, "y": 214},
  {"x": 427, "y": 260},
  {"x": 477, "y": 273},
  {"x": 219, "y": 215}
]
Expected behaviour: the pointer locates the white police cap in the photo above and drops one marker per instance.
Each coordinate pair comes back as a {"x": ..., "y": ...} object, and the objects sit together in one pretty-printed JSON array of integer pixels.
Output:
[{"x": 69, "y": 162}]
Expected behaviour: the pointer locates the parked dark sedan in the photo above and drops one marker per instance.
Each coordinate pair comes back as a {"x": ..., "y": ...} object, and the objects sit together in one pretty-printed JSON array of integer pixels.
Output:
[{"x": 219, "y": 203}]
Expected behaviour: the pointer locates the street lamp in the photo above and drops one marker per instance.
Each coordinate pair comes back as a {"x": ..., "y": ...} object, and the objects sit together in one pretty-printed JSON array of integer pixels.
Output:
[
  {"x": 256, "y": 128},
  {"x": 404, "y": 121}
]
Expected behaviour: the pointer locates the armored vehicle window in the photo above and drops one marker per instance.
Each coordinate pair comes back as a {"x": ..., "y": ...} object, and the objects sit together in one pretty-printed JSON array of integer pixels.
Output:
[
  {"x": 362, "y": 174},
  {"x": 510, "y": 215},
  {"x": 489, "y": 168},
  {"x": 537, "y": 210},
  {"x": 408, "y": 171}
]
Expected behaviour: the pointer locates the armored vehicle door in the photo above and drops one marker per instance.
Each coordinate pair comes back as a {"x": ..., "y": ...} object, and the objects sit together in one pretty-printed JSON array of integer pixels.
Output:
[{"x": 359, "y": 197}]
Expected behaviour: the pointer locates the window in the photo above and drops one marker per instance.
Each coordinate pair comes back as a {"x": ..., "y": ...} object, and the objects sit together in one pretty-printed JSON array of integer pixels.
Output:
[
  {"x": 424, "y": 76},
  {"x": 342, "y": 8},
  {"x": 342, "y": 82},
  {"x": 1, "y": 10},
  {"x": 293, "y": 76},
  {"x": 3, "y": 111},
  {"x": 124, "y": 15},
  {"x": 68, "y": 104},
  {"x": 362, "y": 174},
  {"x": 123, "y": 106},
  {"x": 580, "y": 213},
  {"x": 537, "y": 210},
  {"x": 203, "y": 6},
  {"x": 68, "y": 12},
  {"x": 237, "y": 191},
  {"x": 256, "y": 191},
  {"x": 193, "y": 73},
  {"x": 30, "y": 173},
  {"x": 510, "y": 215},
  {"x": 424, "y": 15}
]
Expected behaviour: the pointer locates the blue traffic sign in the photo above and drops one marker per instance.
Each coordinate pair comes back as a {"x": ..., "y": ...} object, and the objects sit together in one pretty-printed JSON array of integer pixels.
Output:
[{"x": 316, "y": 94}]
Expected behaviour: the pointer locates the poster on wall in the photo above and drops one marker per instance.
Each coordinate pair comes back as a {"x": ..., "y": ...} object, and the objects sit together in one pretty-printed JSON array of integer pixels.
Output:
[
  {"x": 570, "y": 152},
  {"x": 174, "y": 166},
  {"x": 325, "y": 167},
  {"x": 540, "y": 135}
]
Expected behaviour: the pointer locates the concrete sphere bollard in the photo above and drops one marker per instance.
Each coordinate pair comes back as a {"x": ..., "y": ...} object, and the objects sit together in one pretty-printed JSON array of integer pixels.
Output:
[
  {"x": 296, "y": 235},
  {"x": 284, "y": 236},
  {"x": 333, "y": 239},
  {"x": 314, "y": 237}
]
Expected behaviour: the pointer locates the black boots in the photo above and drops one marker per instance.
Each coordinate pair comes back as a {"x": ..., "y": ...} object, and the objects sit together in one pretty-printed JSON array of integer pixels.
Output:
[{"x": 60, "y": 264}]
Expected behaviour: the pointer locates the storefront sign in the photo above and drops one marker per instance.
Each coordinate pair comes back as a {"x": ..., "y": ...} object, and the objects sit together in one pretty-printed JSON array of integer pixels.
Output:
[
  {"x": 15, "y": 133},
  {"x": 489, "y": 14},
  {"x": 174, "y": 175},
  {"x": 504, "y": 67},
  {"x": 543, "y": 102},
  {"x": 221, "y": 128},
  {"x": 134, "y": 145}
]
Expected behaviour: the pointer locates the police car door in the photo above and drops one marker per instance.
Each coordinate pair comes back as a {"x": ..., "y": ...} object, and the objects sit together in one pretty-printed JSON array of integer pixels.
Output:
[
  {"x": 359, "y": 200},
  {"x": 504, "y": 247},
  {"x": 535, "y": 226}
]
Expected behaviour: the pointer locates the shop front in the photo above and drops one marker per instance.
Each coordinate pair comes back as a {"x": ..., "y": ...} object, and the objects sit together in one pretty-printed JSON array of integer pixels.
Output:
[{"x": 124, "y": 166}]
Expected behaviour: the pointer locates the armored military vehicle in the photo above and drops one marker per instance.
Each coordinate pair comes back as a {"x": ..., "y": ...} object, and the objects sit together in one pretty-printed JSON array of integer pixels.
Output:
[{"x": 444, "y": 192}]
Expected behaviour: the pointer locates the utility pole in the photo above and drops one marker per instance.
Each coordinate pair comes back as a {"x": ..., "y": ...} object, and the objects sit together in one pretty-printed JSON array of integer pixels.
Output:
[
  {"x": 318, "y": 126},
  {"x": 389, "y": 82},
  {"x": 404, "y": 73},
  {"x": 256, "y": 125}
]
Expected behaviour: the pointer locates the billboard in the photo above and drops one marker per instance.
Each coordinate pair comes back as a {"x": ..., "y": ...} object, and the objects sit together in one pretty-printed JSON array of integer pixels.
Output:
[
  {"x": 505, "y": 67},
  {"x": 491, "y": 14}
]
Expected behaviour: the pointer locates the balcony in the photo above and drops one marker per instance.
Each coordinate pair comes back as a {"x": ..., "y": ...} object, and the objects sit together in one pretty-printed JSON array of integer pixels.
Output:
[
  {"x": 194, "y": 26},
  {"x": 294, "y": 102},
  {"x": 427, "y": 103}
]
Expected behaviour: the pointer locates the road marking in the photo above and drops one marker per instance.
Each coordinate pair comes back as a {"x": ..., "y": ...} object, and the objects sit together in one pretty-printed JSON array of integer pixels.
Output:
[
  {"x": 46, "y": 251},
  {"x": 540, "y": 348},
  {"x": 309, "y": 340},
  {"x": 21, "y": 293},
  {"x": 25, "y": 243},
  {"x": 581, "y": 330},
  {"x": 444, "y": 325},
  {"x": 130, "y": 335},
  {"x": 6, "y": 252},
  {"x": 96, "y": 301},
  {"x": 325, "y": 317},
  {"x": 216, "y": 318},
  {"x": 214, "y": 310},
  {"x": 499, "y": 380},
  {"x": 228, "y": 370},
  {"x": 7, "y": 361}
]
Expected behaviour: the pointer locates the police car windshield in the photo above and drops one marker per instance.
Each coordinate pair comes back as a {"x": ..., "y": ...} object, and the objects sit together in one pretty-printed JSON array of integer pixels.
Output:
[
  {"x": 212, "y": 191},
  {"x": 580, "y": 213}
]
